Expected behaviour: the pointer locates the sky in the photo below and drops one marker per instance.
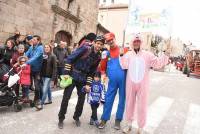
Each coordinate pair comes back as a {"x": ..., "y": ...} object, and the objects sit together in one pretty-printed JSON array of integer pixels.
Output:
[{"x": 186, "y": 18}]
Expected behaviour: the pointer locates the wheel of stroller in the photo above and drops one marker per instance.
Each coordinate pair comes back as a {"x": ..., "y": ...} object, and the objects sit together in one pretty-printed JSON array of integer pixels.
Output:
[
  {"x": 32, "y": 104},
  {"x": 17, "y": 107}
]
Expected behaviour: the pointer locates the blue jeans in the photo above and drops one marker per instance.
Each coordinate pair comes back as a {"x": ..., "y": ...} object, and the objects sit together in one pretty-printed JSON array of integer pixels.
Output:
[
  {"x": 46, "y": 89},
  {"x": 25, "y": 90}
]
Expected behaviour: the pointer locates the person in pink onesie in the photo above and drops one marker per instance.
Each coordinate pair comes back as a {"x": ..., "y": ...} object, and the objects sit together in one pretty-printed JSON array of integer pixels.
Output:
[{"x": 138, "y": 63}]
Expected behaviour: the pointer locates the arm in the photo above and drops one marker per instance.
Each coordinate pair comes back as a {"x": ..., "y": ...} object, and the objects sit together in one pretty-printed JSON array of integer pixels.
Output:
[
  {"x": 124, "y": 61},
  {"x": 37, "y": 55},
  {"x": 54, "y": 67},
  {"x": 73, "y": 57},
  {"x": 103, "y": 62},
  {"x": 158, "y": 62},
  {"x": 102, "y": 93}
]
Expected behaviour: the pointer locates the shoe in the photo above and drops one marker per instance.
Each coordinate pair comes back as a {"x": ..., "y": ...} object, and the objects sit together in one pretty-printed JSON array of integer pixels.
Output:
[
  {"x": 127, "y": 129},
  {"x": 117, "y": 125},
  {"x": 50, "y": 102},
  {"x": 91, "y": 121},
  {"x": 77, "y": 122},
  {"x": 96, "y": 123},
  {"x": 39, "y": 107},
  {"x": 60, "y": 124},
  {"x": 102, "y": 124}
]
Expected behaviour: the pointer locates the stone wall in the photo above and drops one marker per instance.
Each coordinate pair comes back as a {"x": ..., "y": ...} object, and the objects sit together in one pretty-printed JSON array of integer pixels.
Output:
[{"x": 37, "y": 17}]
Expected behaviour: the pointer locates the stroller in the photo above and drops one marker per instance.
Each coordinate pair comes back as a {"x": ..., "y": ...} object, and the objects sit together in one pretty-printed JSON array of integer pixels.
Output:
[{"x": 8, "y": 80}]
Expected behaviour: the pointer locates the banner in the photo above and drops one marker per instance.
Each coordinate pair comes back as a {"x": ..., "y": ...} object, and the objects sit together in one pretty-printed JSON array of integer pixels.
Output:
[{"x": 150, "y": 16}]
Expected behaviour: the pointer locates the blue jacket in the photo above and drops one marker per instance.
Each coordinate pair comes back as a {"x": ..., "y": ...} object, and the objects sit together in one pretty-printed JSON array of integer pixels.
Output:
[
  {"x": 35, "y": 55},
  {"x": 96, "y": 94}
]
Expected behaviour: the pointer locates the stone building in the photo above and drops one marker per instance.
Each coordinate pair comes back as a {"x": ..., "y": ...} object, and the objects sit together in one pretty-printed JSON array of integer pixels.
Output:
[{"x": 66, "y": 20}]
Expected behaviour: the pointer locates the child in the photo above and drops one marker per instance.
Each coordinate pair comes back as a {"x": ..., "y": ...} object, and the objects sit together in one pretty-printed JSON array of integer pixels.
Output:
[
  {"x": 95, "y": 96},
  {"x": 25, "y": 80}
]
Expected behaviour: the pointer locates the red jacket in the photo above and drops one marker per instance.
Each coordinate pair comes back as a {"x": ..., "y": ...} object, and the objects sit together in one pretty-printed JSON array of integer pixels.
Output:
[{"x": 25, "y": 75}]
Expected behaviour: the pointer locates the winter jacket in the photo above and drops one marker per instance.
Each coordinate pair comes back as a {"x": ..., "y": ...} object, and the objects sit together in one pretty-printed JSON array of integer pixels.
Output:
[
  {"x": 61, "y": 54},
  {"x": 25, "y": 75},
  {"x": 6, "y": 55},
  {"x": 35, "y": 55},
  {"x": 49, "y": 66}
]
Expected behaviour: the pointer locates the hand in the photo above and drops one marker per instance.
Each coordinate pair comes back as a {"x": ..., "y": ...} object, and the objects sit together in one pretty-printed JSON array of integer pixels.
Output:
[
  {"x": 15, "y": 65},
  {"x": 167, "y": 53},
  {"x": 87, "y": 88},
  {"x": 23, "y": 65},
  {"x": 66, "y": 76},
  {"x": 104, "y": 78}
]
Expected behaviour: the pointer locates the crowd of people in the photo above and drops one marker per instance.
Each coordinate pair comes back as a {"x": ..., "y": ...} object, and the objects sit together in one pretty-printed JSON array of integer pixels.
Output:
[{"x": 94, "y": 59}]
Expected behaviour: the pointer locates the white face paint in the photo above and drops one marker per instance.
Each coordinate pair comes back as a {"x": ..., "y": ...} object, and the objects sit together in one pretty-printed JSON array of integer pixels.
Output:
[{"x": 137, "y": 69}]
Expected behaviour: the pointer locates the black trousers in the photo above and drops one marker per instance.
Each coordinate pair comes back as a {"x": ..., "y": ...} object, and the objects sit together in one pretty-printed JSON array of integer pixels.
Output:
[
  {"x": 65, "y": 100},
  {"x": 37, "y": 83},
  {"x": 94, "y": 111}
]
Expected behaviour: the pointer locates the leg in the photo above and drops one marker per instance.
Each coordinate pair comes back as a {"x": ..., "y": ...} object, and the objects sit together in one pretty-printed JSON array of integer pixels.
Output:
[
  {"x": 121, "y": 103},
  {"x": 65, "y": 100},
  {"x": 94, "y": 112},
  {"x": 46, "y": 84},
  {"x": 36, "y": 79},
  {"x": 49, "y": 93},
  {"x": 109, "y": 99},
  {"x": 80, "y": 103},
  {"x": 142, "y": 105}
]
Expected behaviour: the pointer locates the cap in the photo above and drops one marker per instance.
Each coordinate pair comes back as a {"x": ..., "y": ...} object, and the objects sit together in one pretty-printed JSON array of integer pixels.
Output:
[
  {"x": 100, "y": 38},
  {"x": 109, "y": 36},
  {"x": 29, "y": 37}
]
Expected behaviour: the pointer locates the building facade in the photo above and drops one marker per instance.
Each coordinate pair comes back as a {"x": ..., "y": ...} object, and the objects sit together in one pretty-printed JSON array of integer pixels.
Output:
[{"x": 66, "y": 20}]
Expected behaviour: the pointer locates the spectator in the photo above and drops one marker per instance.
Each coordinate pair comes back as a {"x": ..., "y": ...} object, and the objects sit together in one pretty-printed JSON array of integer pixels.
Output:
[
  {"x": 48, "y": 73},
  {"x": 61, "y": 53},
  {"x": 35, "y": 55},
  {"x": 6, "y": 52}
]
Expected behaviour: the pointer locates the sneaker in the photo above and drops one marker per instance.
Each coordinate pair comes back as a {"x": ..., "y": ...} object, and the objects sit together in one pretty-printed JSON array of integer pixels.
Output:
[
  {"x": 39, "y": 107},
  {"x": 96, "y": 123},
  {"x": 117, "y": 125},
  {"x": 91, "y": 121},
  {"x": 102, "y": 124},
  {"x": 77, "y": 122},
  {"x": 49, "y": 102},
  {"x": 60, "y": 124},
  {"x": 127, "y": 129}
]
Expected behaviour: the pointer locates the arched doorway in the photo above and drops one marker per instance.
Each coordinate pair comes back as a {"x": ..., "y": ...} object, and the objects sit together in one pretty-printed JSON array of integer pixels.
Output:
[{"x": 63, "y": 36}]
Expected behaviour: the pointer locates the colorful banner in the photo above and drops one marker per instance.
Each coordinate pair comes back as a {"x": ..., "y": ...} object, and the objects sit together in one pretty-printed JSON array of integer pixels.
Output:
[{"x": 149, "y": 16}]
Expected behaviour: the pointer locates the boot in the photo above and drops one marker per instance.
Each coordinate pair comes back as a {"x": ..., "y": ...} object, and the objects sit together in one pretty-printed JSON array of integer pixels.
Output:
[
  {"x": 102, "y": 124},
  {"x": 96, "y": 123},
  {"x": 117, "y": 125},
  {"x": 60, "y": 124}
]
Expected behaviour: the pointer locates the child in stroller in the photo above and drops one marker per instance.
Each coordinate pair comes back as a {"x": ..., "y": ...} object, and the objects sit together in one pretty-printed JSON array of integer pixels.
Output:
[{"x": 7, "y": 94}]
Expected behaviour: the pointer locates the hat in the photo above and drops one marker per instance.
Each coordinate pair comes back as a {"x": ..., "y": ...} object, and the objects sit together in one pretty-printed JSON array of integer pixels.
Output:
[
  {"x": 29, "y": 37},
  {"x": 109, "y": 36},
  {"x": 100, "y": 38},
  {"x": 91, "y": 37},
  {"x": 97, "y": 74}
]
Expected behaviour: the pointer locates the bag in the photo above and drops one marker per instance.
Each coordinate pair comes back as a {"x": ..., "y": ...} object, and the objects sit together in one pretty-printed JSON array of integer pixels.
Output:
[
  {"x": 13, "y": 79},
  {"x": 65, "y": 82}
]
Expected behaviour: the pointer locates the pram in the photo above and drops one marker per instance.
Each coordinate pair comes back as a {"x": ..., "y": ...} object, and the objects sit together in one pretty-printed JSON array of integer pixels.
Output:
[{"x": 7, "y": 93}]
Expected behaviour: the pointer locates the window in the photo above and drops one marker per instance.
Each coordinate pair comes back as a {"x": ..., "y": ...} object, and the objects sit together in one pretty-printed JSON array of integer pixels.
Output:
[
  {"x": 104, "y": 1},
  {"x": 113, "y": 1}
]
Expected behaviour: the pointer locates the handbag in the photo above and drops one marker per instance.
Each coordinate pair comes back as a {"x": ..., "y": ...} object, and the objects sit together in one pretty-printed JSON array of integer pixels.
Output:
[{"x": 65, "y": 82}]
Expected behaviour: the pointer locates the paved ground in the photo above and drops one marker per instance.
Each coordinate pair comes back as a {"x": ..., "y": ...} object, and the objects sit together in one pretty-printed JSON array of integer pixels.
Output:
[{"x": 174, "y": 108}]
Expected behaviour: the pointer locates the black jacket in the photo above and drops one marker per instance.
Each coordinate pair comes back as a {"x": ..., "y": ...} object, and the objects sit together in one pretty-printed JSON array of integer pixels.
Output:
[
  {"x": 61, "y": 54},
  {"x": 49, "y": 66},
  {"x": 6, "y": 55}
]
